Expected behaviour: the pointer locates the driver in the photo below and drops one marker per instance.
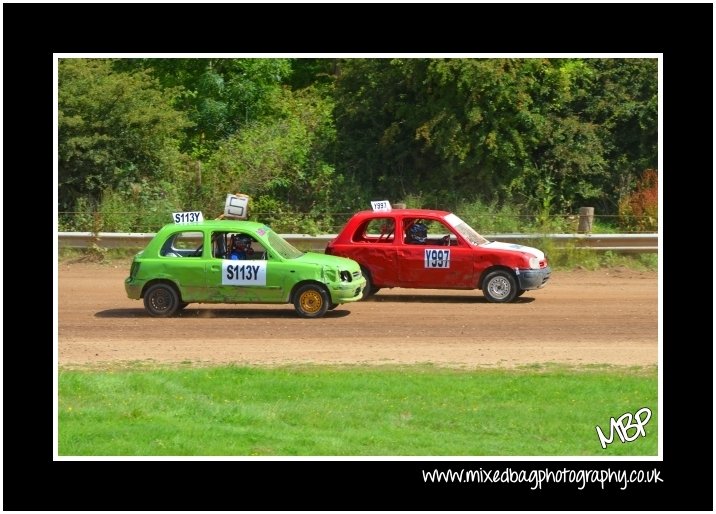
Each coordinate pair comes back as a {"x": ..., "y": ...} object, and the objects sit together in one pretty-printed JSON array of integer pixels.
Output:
[
  {"x": 417, "y": 234},
  {"x": 241, "y": 248}
]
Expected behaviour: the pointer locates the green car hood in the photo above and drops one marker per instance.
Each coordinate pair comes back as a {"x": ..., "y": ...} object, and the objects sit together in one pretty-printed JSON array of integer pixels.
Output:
[{"x": 328, "y": 260}]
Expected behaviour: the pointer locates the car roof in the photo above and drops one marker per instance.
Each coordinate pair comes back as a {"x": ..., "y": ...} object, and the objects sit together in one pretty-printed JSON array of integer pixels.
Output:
[
  {"x": 416, "y": 213},
  {"x": 218, "y": 224}
]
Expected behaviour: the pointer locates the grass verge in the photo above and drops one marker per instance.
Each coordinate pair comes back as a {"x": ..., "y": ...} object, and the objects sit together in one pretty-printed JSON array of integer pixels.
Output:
[{"x": 352, "y": 411}]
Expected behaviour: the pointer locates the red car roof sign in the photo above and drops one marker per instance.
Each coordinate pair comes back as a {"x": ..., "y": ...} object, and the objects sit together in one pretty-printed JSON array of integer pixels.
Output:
[{"x": 381, "y": 206}]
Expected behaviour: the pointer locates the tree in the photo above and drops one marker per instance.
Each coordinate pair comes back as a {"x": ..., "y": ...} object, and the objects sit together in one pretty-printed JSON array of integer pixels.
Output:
[
  {"x": 115, "y": 129},
  {"x": 281, "y": 162},
  {"x": 624, "y": 105},
  {"x": 218, "y": 95},
  {"x": 549, "y": 134}
]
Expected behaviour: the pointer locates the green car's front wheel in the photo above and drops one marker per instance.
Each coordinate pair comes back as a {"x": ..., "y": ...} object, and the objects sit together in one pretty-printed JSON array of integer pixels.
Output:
[{"x": 311, "y": 301}]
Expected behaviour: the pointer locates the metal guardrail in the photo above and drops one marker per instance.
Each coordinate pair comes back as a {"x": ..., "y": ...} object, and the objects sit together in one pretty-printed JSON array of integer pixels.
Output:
[{"x": 622, "y": 243}]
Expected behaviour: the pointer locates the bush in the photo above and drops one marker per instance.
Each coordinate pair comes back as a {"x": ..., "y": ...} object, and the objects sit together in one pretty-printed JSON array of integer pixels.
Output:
[
  {"x": 639, "y": 210},
  {"x": 84, "y": 218},
  {"x": 489, "y": 218},
  {"x": 284, "y": 219},
  {"x": 138, "y": 207}
]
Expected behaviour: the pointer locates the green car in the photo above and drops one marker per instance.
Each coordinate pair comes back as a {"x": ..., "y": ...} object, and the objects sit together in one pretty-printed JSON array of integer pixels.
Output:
[{"x": 230, "y": 261}]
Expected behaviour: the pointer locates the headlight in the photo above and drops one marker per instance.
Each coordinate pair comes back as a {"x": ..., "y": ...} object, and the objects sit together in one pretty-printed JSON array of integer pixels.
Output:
[
  {"x": 346, "y": 276},
  {"x": 534, "y": 263}
]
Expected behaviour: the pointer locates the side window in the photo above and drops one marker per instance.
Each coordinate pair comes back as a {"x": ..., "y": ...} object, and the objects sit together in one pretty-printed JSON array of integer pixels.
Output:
[
  {"x": 237, "y": 246},
  {"x": 183, "y": 244},
  {"x": 441, "y": 234},
  {"x": 376, "y": 230},
  {"x": 415, "y": 231},
  {"x": 428, "y": 232}
]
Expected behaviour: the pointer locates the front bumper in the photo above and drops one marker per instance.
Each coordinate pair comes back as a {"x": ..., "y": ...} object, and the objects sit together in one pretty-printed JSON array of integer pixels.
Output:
[
  {"x": 533, "y": 278},
  {"x": 344, "y": 292}
]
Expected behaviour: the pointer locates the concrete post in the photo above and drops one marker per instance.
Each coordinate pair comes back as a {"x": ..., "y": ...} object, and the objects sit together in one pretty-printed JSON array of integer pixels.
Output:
[{"x": 586, "y": 219}]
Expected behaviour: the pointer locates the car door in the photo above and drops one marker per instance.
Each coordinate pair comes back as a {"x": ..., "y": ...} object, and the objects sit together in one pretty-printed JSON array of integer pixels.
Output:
[
  {"x": 260, "y": 278},
  {"x": 434, "y": 264},
  {"x": 374, "y": 246},
  {"x": 181, "y": 261}
]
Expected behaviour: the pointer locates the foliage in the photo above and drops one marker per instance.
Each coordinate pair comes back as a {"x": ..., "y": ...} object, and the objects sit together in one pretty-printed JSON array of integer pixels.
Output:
[
  {"x": 527, "y": 139},
  {"x": 579, "y": 258},
  {"x": 143, "y": 206},
  {"x": 623, "y": 104},
  {"x": 115, "y": 128},
  {"x": 639, "y": 211},
  {"x": 219, "y": 95},
  {"x": 280, "y": 162},
  {"x": 489, "y": 218},
  {"x": 285, "y": 220},
  {"x": 83, "y": 218},
  {"x": 531, "y": 131}
]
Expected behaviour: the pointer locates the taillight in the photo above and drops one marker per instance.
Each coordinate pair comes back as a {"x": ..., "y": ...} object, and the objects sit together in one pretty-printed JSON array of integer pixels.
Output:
[{"x": 134, "y": 269}]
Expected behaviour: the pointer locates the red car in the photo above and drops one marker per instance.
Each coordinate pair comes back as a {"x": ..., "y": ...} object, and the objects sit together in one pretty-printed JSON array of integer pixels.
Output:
[{"x": 421, "y": 248}]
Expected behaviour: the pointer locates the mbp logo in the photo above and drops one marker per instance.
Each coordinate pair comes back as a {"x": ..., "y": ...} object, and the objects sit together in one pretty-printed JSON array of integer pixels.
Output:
[{"x": 623, "y": 425}]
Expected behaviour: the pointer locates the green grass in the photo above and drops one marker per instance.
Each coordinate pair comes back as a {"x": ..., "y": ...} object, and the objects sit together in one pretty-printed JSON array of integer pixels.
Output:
[
  {"x": 352, "y": 411},
  {"x": 566, "y": 258}
]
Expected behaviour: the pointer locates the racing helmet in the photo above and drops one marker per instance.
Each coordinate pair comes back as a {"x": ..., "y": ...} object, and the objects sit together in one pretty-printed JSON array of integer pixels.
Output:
[
  {"x": 242, "y": 242},
  {"x": 418, "y": 233}
]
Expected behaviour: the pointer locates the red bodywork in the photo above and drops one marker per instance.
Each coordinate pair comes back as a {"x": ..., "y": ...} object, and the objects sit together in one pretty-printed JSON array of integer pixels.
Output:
[{"x": 377, "y": 241}]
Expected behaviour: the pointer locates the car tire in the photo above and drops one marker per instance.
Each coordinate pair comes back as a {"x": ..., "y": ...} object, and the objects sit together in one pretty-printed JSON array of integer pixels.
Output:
[
  {"x": 369, "y": 289},
  {"x": 311, "y": 301},
  {"x": 499, "y": 286},
  {"x": 161, "y": 300}
]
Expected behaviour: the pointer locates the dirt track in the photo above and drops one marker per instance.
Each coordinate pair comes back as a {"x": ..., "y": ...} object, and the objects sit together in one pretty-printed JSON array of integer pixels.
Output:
[{"x": 580, "y": 317}]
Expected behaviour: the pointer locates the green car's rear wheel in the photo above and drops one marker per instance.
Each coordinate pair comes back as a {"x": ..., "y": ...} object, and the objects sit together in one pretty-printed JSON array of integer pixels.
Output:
[
  {"x": 161, "y": 300},
  {"x": 311, "y": 301}
]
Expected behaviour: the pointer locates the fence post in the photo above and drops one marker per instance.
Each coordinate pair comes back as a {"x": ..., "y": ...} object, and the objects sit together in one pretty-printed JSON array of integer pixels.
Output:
[{"x": 586, "y": 218}]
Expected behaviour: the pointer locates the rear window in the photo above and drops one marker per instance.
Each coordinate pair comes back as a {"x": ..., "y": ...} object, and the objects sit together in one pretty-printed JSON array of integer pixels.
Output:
[
  {"x": 375, "y": 230},
  {"x": 183, "y": 244}
]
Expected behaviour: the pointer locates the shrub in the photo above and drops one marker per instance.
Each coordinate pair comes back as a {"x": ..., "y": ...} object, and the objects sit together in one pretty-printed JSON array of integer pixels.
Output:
[{"x": 639, "y": 210}]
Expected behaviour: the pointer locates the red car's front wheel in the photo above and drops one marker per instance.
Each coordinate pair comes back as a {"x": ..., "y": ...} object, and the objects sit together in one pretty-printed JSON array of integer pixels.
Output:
[{"x": 499, "y": 287}]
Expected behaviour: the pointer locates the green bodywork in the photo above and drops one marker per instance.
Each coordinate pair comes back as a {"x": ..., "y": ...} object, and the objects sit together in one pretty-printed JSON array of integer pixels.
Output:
[{"x": 197, "y": 274}]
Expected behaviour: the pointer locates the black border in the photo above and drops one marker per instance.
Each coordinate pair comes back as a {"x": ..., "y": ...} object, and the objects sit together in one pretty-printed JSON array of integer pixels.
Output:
[{"x": 32, "y": 32}]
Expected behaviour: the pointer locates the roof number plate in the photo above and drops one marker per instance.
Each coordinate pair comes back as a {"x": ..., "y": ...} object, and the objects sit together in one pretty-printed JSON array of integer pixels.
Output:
[
  {"x": 187, "y": 217},
  {"x": 381, "y": 206}
]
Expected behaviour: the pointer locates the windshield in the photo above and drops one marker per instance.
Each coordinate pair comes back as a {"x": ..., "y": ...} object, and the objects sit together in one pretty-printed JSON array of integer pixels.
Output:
[
  {"x": 283, "y": 247},
  {"x": 465, "y": 230}
]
